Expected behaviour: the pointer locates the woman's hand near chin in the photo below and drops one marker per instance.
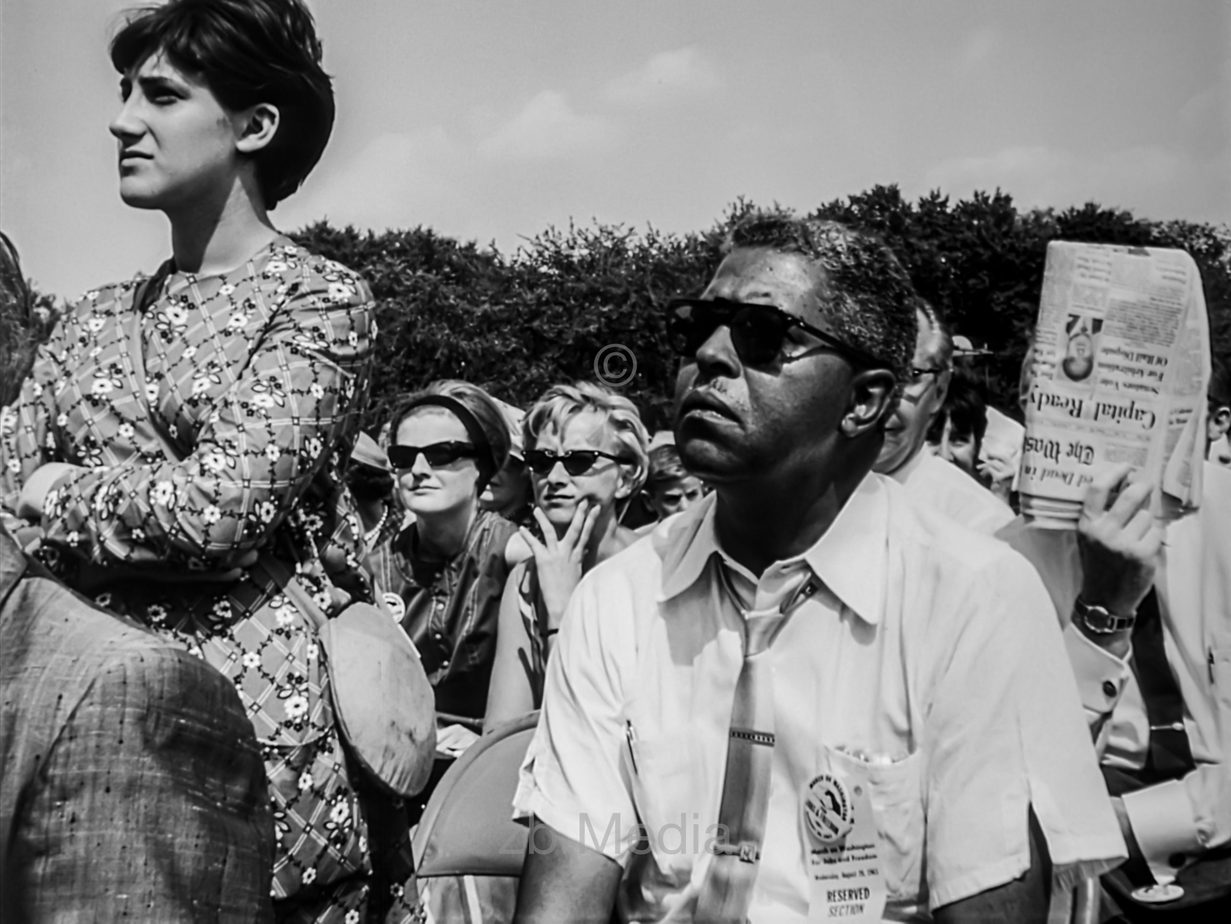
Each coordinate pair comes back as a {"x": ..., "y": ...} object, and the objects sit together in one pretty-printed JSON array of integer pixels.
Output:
[{"x": 558, "y": 562}]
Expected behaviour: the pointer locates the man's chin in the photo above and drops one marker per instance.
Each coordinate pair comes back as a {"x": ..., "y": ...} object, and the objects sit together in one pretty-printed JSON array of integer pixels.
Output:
[{"x": 710, "y": 461}]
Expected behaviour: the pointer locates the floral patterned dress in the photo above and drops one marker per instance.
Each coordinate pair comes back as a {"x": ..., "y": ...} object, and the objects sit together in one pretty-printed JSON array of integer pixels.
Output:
[{"x": 209, "y": 428}]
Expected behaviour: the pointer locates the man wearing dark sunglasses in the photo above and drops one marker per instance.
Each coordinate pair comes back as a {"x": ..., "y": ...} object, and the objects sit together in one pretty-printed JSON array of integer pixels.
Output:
[
  {"x": 804, "y": 697},
  {"x": 905, "y": 457}
]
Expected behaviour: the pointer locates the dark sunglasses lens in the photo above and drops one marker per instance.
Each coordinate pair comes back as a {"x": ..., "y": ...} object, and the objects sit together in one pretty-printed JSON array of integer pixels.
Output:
[
  {"x": 691, "y": 324},
  {"x": 402, "y": 456},
  {"x": 443, "y": 455},
  {"x": 579, "y": 461},
  {"x": 576, "y": 462},
  {"x": 757, "y": 335},
  {"x": 539, "y": 461},
  {"x": 435, "y": 454}
]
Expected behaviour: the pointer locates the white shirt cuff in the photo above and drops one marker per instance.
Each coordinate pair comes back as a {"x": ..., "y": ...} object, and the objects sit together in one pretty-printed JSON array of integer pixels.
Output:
[
  {"x": 1163, "y": 823},
  {"x": 1101, "y": 676}
]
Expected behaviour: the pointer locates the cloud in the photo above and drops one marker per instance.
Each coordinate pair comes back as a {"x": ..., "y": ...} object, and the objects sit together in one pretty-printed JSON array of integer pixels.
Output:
[
  {"x": 547, "y": 128},
  {"x": 1205, "y": 119},
  {"x": 668, "y": 77},
  {"x": 441, "y": 178},
  {"x": 393, "y": 182},
  {"x": 1153, "y": 181}
]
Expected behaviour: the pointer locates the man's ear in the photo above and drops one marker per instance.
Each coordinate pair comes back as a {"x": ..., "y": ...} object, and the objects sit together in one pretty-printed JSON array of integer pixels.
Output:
[
  {"x": 257, "y": 127},
  {"x": 871, "y": 401}
]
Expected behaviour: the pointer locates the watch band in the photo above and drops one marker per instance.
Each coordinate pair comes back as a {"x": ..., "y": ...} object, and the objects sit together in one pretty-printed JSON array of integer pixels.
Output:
[{"x": 1099, "y": 620}]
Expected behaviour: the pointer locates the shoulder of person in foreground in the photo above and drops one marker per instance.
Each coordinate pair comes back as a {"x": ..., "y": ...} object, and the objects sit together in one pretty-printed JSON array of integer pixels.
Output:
[
  {"x": 570, "y": 879},
  {"x": 961, "y": 496},
  {"x": 150, "y": 792},
  {"x": 951, "y": 546},
  {"x": 1003, "y": 724}
]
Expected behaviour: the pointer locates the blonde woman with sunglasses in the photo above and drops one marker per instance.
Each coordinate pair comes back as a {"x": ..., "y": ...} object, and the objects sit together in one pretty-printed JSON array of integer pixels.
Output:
[{"x": 587, "y": 452}]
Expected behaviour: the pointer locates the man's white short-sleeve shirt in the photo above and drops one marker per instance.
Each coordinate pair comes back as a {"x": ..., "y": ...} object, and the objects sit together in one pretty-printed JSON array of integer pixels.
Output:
[{"x": 929, "y": 662}]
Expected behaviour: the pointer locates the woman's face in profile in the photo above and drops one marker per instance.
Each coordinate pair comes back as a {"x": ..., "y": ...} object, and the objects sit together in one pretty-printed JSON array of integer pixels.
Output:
[{"x": 177, "y": 142}]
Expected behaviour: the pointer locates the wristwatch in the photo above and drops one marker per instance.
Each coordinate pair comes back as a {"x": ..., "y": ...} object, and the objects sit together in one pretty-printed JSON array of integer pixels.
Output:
[{"x": 1099, "y": 620}]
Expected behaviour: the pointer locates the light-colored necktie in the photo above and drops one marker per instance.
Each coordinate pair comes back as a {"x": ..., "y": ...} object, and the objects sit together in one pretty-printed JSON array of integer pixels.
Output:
[{"x": 726, "y": 891}]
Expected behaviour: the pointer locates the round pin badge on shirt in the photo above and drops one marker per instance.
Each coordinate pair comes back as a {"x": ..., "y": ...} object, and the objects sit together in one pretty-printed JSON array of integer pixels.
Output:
[
  {"x": 829, "y": 813},
  {"x": 397, "y": 608},
  {"x": 1158, "y": 894}
]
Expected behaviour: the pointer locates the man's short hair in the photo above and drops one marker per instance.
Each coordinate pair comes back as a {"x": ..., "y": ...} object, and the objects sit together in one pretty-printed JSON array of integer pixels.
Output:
[
  {"x": 665, "y": 466},
  {"x": 941, "y": 346},
  {"x": 865, "y": 292}
]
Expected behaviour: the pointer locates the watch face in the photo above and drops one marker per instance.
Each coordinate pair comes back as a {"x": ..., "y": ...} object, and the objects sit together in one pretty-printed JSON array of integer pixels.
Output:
[
  {"x": 1158, "y": 894},
  {"x": 1097, "y": 618},
  {"x": 1100, "y": 620}
]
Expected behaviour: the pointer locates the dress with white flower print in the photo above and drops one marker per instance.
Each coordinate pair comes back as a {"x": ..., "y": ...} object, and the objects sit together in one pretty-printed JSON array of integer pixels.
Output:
[{"x": 256, "y": 378}]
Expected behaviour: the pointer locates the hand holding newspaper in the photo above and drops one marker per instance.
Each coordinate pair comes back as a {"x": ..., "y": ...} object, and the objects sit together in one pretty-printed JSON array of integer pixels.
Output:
[{"x": 1118, "y": 374}]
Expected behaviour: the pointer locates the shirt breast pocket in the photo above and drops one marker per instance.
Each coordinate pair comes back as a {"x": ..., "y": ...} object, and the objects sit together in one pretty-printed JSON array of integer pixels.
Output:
[{"x": 895, "y": 788}]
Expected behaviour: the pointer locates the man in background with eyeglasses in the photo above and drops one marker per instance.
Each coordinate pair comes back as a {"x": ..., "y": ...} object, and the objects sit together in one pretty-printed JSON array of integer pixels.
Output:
[
  {"x": 806, "y": 697},
  {"x": 905, "y": 456}
]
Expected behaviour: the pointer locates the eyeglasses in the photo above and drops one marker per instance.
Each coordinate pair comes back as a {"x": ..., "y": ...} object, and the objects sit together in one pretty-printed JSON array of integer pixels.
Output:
[
  {"x": 758, "y": 332},
  {"x": 436, "y": 454},
  {"x": 575, "y": 461},
  {"x": 918, "y": 372}
]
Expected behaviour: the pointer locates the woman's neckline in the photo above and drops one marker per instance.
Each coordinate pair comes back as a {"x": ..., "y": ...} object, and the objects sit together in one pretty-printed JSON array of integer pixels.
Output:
[{"x": 175, "y": 274}]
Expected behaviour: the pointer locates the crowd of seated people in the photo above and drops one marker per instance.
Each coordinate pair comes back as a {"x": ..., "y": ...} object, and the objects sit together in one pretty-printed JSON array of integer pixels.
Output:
[{"x": 824, "y": 642}]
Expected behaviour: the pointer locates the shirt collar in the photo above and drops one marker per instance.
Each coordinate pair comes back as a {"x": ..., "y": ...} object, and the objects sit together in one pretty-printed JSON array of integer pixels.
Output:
[
  {"x": 850, "y": 558},
  {"x": 685, "y": 544}
]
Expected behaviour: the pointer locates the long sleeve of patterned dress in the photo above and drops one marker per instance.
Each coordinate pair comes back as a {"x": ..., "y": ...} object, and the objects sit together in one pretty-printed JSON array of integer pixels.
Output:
[{"x": 255, "y": 378}]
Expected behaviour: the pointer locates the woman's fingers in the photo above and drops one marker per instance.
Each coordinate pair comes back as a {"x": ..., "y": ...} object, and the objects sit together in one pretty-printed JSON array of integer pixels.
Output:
[
  {"x": 1101, "y": 488},
  {"x": 577, "y": 524},
  {"x": 586, "y": 529},
  {"x": 549, "y": 532},
  {"x": 536, "y": 548}
]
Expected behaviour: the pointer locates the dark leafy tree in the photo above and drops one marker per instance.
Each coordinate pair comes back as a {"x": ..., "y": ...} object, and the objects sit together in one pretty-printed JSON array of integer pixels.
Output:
[
  {"x": 569, "y": 297},
  {"x": 26, "y": 318}
]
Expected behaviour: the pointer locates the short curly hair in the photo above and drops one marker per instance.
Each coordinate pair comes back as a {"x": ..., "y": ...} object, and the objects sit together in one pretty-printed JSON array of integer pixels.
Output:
[
  {"x": 560, "y": 403},
  {"x": 866, "y": 292},
  {"x": 247, "y": 52}
]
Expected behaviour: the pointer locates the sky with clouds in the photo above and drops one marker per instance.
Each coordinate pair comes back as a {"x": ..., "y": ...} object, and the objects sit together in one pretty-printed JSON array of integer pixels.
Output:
[{"x": 492, "y": 121}]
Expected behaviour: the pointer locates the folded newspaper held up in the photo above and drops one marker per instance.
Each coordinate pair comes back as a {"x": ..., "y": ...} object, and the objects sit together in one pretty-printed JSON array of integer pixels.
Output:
[{"x": 1118, "y": 374}]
